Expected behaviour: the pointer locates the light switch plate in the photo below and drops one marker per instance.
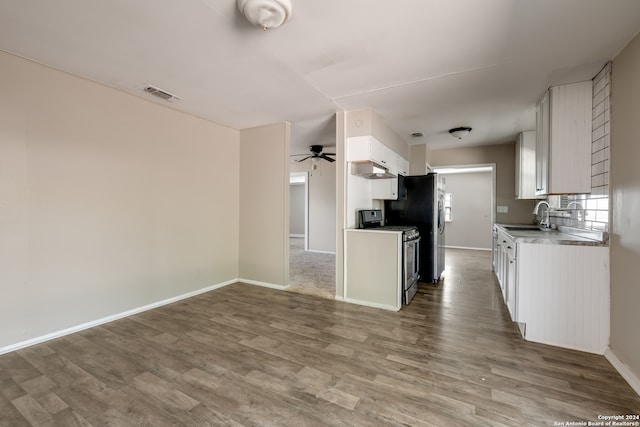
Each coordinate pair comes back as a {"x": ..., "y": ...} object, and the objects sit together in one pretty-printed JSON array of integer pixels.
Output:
[{"x": 503, "y": 209}]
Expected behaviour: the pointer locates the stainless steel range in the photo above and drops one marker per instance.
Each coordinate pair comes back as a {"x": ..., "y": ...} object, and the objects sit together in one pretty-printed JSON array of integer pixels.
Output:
[{"x": 372, "y": 219}]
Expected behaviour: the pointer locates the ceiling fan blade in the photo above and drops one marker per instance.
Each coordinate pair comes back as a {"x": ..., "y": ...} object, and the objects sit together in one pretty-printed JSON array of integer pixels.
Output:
[
  {"x": 302, "y": 160},
  {"x": 324, "y": 156},
  {"x": 330, "y": 154}
]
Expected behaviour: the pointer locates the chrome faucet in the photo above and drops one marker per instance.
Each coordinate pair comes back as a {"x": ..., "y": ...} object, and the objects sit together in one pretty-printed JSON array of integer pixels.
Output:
[
  {"x": 545, "y": 221},
  {"x": 574, "y": 202},
  {"x": 580, "y": 209}
]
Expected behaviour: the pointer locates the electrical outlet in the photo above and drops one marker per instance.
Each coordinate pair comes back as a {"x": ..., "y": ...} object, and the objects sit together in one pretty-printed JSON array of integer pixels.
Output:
[{"x": 503, "y": 209}]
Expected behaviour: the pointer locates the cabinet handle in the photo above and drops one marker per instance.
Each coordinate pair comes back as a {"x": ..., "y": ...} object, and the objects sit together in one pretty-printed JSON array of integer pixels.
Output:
[
  {"x": 508, "y": 247},
  {"x": 504, "y": 241}
]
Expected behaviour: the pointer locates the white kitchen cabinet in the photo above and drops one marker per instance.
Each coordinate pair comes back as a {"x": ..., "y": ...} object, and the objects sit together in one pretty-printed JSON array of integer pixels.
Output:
[
  {"x": 563, "y": 295},
  {"x": 557, "y": 293},
  {"x": 505, "y": 269},
  {"x": 526, "y": 165},
  {"x": 494, "y": 251},
  {"x": 500, "y": 258},
  {"x": 363, "y": 148},
  {"x": 403, "y": 166},
  {"x": 511, "y": 285},
  {"x": 384, "y": 189},
  {"x": 563, "y": 140}
]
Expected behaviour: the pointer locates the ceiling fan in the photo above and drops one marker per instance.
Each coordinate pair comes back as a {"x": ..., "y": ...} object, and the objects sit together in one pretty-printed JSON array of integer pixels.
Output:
[{"x": 316, "y": 153}]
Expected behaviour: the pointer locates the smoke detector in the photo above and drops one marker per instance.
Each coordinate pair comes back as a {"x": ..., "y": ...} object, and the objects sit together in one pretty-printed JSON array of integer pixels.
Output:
[
  {"x": 162, "y": 94},
  {"x": 266, "y": 13}
]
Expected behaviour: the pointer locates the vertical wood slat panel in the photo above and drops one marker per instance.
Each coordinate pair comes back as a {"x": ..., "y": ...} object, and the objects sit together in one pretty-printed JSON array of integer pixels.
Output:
[
  {"x": 571, "y": 120},
  {"x": 564, "y": 295}
]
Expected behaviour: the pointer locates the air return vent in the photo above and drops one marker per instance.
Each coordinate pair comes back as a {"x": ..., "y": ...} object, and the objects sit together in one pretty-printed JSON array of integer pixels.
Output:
[{"x": 163, "y": 94}]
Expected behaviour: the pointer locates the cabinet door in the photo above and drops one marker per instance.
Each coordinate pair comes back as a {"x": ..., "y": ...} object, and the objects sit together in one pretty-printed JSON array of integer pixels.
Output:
[
  {"x": 494, "y": 254},
  {"x": 501, "y": 268},
  {"x": 570, "y": 124},
  {"x": 378, "y": 152},
  {"x": 563, "y": 140},
  {"x": 542, "y": 146},
  {"x": 403, "y": 166},
  {"x": 385, "y": 189},
  {"x": 511, "y": 288},
  {"x": 526, "y": 165},
  {"x": 391, "y": 159}
]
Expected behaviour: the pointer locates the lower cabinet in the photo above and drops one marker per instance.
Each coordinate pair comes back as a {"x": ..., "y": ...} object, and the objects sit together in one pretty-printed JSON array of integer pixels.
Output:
[
  {"x": 563, "y": 295},
  {"x": 511, "y": 287},
  {"x": 505, "y": 268},
  {"x": 558, "y": 294}
]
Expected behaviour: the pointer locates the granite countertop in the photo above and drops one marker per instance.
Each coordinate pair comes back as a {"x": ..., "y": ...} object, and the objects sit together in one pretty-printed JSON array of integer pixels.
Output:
[{"x": 561, "y": 236}]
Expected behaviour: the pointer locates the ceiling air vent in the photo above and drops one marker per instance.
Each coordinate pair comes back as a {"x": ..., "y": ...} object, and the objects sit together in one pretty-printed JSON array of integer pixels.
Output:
[{"x": 163, "y": 94}]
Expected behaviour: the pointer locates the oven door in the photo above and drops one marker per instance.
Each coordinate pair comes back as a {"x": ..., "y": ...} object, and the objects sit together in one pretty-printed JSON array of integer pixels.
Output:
[{"x": 411, "y": 267}]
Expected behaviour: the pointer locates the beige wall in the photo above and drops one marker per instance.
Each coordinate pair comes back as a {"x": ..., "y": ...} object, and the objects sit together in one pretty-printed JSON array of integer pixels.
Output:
[
  {"x": 471, "y": 210},
  {"x": 264, "y": 199},
  {"x": 367, "y": 122},
  {"x": 322, "y": 208},
  {"x": 503, "y": 156},
  {"x": 418, "y": 159},
  {"x": 297, "y": 209},
  {"x": 341, "y": 193},
  {"x": 625, "y": 205},
  {"x": 108, "y": 202}
]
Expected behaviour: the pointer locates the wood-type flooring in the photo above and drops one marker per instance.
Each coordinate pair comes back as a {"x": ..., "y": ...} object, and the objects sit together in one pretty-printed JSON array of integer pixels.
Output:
[{"x": 246, "y": 355}]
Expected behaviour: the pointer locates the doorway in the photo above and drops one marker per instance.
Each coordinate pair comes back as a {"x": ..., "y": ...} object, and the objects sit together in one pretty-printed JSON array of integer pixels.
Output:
[
  {"x": 298, "y": 207},
  {"x": 470, "y": 204},
  {"x": 312, "y": 257}
]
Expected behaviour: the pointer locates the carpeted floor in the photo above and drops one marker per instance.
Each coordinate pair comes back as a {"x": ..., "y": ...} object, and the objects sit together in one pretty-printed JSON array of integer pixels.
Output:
[{"x": 311, "y": 272}]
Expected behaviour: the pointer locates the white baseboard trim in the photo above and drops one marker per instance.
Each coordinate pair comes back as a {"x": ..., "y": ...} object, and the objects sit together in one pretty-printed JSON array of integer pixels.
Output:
[
  {"x": 321, "y": 252},
  {"x": 371, "y": 304},
  {"x": 339, "y": 298},
  {"x": 97, "y": 322},
  {"x": 263, "y": 284},
  {"x": 626, "y": 372},
  {"x": 296, "y": 235},
  {"x": 466, "y": 247}
]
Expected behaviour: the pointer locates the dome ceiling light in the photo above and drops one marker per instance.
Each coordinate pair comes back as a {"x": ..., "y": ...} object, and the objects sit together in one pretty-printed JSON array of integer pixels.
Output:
[
  {"x": 460, "y": 132},
  {"x": 266, "y": 13}
]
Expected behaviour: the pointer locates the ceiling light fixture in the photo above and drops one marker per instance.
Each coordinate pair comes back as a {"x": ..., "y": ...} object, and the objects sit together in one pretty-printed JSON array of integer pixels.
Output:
[
  {"x": 266, "y": 13},
  {"x": 460, "y": 132}
]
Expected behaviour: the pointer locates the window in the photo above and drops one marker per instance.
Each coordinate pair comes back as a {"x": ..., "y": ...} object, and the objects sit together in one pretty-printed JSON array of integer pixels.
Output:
[{"x": 447, "y": 207}]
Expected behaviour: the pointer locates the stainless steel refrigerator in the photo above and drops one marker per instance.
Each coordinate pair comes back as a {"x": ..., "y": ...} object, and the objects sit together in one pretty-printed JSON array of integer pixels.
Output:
[{"x": 421, "y": 203}]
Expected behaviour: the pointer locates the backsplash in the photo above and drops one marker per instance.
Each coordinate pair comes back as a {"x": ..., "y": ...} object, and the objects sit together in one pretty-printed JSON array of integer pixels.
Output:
[{"x": 591, "y": 211}]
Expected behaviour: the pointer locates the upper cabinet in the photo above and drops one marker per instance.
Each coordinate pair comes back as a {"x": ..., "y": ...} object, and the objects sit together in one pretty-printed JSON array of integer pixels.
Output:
[
  {"x": 361, "y": 148},
  {"x": 526, "y": 165},
  {"x": 563, "y": 140},
  {"x": 403, "y": 166}
]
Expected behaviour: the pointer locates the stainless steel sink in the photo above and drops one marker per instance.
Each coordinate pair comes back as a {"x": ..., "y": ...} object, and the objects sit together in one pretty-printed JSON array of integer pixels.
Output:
[{"x": 525, "y": 227}]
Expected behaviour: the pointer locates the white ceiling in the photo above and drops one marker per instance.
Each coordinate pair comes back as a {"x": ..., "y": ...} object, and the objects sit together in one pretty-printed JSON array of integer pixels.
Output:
[{"x": 422, "y": 65}]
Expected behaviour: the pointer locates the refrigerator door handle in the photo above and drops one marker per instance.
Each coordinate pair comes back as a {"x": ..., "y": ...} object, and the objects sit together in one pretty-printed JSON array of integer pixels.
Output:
[{"x": 440, "y": 216}]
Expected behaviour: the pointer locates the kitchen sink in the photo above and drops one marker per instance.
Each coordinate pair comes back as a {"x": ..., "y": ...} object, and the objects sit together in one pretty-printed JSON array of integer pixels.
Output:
[{"x": 525, "y": 227}]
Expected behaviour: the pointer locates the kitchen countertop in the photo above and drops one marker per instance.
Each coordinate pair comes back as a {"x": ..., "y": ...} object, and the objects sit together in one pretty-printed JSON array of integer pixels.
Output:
[
  {"x": 377, "y": 230},
  {"x": 562, "y": 236}
]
